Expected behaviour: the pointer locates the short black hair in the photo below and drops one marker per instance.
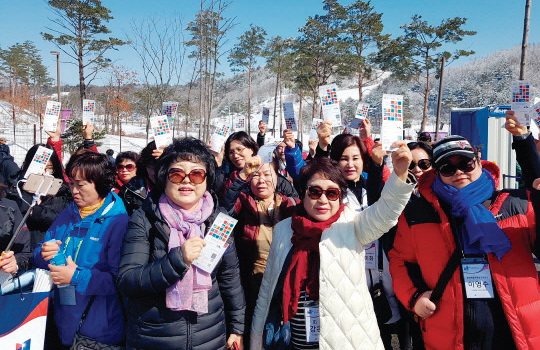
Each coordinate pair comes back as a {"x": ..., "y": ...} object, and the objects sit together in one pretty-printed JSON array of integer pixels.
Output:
[
  {"x": 109, "y": 152},
  {"x": 146, "y": 160},
  {"x": 424, "y": 136},
  {"x": 58, "y": 169},
  {"x": 93, "y": 167},
  {"x": 130, "y": 155},
  {"x": 242, "y": 137},
  {"x": 422, "y": 145},
  {"x": 327, "y": 169},
  {"x": 186, "y": 148},
  {"x": 342, "y": 141}
]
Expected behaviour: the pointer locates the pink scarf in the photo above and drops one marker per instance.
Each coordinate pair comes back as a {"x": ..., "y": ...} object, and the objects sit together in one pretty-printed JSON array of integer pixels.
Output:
[{"x": 191, "y": 292}]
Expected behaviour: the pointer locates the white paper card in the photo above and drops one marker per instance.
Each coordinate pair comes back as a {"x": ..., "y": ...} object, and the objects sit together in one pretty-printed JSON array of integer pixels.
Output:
[
  {"x": 392, "y": 120},
  {"x": 362, "y": 111},
  {"x": 265, "y": 115},
  {"x": 216, "y": 242},
  {"x": 314, "y": 125},
  {"x": 313, "y": 324},
  {"x": 169, "y": 109},
  {"x": 477, "y": 278},
  {"x": 39, "y": 162},
  {"x": 266, "y": 151},
  {"x": 240, "y": 124},
  {"x": 288, "y": 112},
  {"x": 330, "y": 104},
  {"x": 534, "y": 113},
  {"x": 521, "y": 100},
  {"x": 89, "y": 109},
  {"x": 52, "y": 114},
  {"x": 161, "y": 130},
  {"x": 371, "y": 255},
  {"x": 219, "y": 137}
]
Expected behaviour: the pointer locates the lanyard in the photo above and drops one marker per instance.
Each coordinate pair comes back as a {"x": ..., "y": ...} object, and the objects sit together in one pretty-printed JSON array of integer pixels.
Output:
[{"x": 78, "y": 248}]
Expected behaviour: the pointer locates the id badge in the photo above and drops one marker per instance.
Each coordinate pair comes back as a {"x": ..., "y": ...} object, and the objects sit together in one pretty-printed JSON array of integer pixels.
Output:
[
  {"x": 67, "y": 294},
  {"x": 477, "y": 278},
  {"x": 313, "y": 324},
  {"x": 371, "y": 255}
]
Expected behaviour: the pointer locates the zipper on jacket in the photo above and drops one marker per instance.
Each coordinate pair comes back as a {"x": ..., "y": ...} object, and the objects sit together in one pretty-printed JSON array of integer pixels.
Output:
[{"x": 188, "y": 340}]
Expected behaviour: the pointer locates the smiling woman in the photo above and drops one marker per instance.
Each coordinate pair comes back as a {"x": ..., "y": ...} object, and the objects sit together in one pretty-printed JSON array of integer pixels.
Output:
[{"x": 172, "y": 301}]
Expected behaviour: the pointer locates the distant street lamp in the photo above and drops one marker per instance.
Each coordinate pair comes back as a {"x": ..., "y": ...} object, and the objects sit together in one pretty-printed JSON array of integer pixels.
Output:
[{"x": 57, "y": 54}]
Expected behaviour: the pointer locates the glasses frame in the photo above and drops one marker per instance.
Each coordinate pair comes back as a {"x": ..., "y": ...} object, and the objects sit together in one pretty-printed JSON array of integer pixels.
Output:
[
  {"x": 325, "y": 192},
  {"x": 232, "y": 152},
  {"x": 465, "y": 165},
  {"x": 128, "y": 167},
  {"x": 190, "y": 175},
  {"x": 421, "y": 161}
]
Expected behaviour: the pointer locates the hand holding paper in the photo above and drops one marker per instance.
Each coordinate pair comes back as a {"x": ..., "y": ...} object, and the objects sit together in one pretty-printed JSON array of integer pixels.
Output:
[
  {"x": 512, "y": 124},
  {"x": 191, "y": 249},
  {"x": 288, "y": 138},
  {"x": 401, "y": 159},
  {"x": 252, "y": 165}
]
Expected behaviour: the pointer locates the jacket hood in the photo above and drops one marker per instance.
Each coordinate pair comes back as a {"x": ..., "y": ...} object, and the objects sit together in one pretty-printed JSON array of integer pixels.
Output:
[{"x": 428, "y": 178}]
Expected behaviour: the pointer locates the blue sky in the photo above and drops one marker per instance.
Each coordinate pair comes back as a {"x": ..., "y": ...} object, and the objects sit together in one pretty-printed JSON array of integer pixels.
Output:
[{"x": 499, "y": 23}]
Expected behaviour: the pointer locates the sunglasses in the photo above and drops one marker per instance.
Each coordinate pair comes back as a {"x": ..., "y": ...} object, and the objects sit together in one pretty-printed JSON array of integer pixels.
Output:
[
  {"x": 128, "y": 167},
  {"x": 423, "y": 164},
  {"x": 196, "y": 176},
  {"x": 465, "y": 165},
  {"x": 315, "y": 192}
]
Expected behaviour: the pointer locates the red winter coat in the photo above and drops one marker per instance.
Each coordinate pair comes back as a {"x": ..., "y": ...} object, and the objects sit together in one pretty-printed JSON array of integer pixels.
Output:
[{"x": 424, "y": 237}]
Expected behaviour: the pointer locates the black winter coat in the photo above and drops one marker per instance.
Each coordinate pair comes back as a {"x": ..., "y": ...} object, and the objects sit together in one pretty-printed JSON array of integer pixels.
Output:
[{"x": 147, "y": 269}]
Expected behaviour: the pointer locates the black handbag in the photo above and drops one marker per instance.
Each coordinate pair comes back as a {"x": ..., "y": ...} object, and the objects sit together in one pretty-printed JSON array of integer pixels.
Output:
[
  {"x": 82, "y": 342},
  {"x": 380, "y": 301}
]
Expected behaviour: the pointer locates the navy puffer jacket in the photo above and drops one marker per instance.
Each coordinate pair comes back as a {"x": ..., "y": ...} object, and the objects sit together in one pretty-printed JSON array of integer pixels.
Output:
[{"x": 147, "y": 269}]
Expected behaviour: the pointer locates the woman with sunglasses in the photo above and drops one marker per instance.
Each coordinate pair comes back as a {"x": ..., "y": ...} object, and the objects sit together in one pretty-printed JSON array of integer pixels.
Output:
[
  {"x": 475, "y": 285},
  {"x": 126, "y": 168},
  {"x": 421, "y": 153},
  {"x": 239, "y": 148},
  {"x": 258, "y": 207},
  {"x": 171, "y": 303},
  {"x": 315, "y": 276}
]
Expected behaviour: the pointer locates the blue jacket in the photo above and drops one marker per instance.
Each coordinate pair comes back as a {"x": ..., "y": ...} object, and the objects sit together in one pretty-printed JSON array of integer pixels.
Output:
[{"x": 94, "y": 244}]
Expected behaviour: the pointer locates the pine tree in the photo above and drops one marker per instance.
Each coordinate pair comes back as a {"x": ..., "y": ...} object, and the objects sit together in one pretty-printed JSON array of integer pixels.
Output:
[
  {"x": 244, "y": 56},
  {"x": 414, "y": 55},
  {"x": 80, "y": 36}
]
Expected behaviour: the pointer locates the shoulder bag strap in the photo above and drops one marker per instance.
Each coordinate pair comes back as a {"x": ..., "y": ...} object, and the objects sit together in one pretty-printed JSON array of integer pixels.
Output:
[{"x": 92, "y": 298}]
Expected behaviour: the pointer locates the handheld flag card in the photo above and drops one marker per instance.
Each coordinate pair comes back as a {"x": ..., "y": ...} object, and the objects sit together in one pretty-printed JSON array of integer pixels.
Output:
[
  {"x": 89, "y": 109},
  {"x": 392, "y": 120},
  {"x": 39, "y": 162},
  {"x": 219, "y": 137},
  {"x": 288, "y": 112},
  {"x": 521, "y": 100},
  {"x": 161, "y": 130},
  {"x": 330, "y": 104},
  {"x": 266, "y": 151},
  {"x": 52, "y": 114},
  {"x": 314, "y": 125},
  {"x": 216, "y": 243},
  {"x": 240, "y": 124},
  {"x": 265, "y": 115},
  {"x": 169, "y": 109}
]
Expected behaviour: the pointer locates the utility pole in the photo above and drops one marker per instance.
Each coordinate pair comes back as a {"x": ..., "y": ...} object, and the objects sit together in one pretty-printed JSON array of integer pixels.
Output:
[
  {"x": 439, "y": 101},
  {"x": 525, "y": 39}
]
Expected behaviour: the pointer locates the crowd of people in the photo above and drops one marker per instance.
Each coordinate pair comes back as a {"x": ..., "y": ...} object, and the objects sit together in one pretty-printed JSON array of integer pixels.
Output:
[{"x": 332, "y": 250}]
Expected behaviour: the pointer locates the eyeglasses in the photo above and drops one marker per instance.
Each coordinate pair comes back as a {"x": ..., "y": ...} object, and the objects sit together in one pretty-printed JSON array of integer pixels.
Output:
[
  {"x": 315, "y": 192},
  {"x": 128, "y": 167},
  {"x": 196, "y": 176},
  {"x": 232, "y": 152},
  {"x": 465, "y": 165},
  {"x": 423, "y": 164}
]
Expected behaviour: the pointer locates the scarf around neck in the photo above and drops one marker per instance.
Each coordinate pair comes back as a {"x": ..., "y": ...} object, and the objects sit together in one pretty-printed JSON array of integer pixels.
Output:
[
  {"x": 190, "y": 292},
  {"x": 480, "y": 231},
  {"x": 304, "y": 268}
]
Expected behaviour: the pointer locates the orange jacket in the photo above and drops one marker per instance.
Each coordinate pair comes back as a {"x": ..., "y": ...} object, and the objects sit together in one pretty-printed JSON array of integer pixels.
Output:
[{"x": 424, "y": 237}]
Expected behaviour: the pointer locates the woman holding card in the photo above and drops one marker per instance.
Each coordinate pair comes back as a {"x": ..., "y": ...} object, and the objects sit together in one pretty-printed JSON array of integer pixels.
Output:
[
  {"x": 472, "y": 246},
  {"x": 258, "y": 207},
  {"x": 315, "y": 274},
  {"x": 82, "y": 249},
  {"x": 172, "y": 304}
]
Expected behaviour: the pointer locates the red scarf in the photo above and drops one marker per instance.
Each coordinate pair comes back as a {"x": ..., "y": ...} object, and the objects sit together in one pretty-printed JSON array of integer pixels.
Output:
[{"x": 304, "y": 268}]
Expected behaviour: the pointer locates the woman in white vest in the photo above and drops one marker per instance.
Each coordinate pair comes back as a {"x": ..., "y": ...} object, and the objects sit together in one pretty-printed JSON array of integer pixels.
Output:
[{"x": 314, "y": 292}]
